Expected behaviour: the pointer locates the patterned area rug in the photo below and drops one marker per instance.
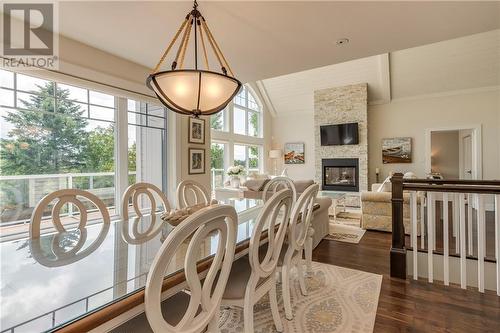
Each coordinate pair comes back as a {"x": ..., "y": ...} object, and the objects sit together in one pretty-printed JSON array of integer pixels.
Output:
[
  {"x": 345, "y": 233},
  {"x": 339, "y": 300}
]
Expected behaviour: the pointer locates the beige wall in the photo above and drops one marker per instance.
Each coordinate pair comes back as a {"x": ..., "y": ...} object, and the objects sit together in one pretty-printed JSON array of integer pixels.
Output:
[
  {"x": 445, "y": 153},
  {"x": 295, "y": 128},
  {"x": 409, "y": 117},
  {"x": 412, "y": 117}
]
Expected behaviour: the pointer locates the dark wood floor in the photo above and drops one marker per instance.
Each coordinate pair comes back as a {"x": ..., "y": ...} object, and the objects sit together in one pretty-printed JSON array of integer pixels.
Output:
[{"x": 413, "y": 306}]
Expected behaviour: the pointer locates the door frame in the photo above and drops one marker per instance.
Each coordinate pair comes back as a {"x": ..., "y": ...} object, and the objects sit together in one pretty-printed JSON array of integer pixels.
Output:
[{"x": 477, "y": 159}]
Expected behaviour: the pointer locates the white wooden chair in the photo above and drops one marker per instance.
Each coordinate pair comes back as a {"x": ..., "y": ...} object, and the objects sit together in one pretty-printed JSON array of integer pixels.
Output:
[
  {"x": 251, "y": 278},
  {"x": 66, "y": 196},
  {"x": 190, "y": 189},
  {"x": 298, "y": 237},
  {"x": 276, "y": 184},
  {"x": 195, "y": 311},
  {"x": 133, "y": 191},
  {"x": 281, "y": 182}
]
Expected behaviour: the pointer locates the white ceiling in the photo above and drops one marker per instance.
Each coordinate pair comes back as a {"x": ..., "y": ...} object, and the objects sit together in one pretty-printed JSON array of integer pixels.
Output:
[
  {"x": 464, "y": 63},
  {"x": 294, "y": 93},
  {"x": 266, "y": 39}
]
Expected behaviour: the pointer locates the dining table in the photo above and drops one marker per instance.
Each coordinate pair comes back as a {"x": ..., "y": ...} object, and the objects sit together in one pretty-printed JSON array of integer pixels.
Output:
[{"x": 80, "y": 279}]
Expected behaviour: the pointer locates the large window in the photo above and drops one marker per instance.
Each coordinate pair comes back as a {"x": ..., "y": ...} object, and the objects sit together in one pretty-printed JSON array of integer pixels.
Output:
[
  {"x": 237, "y": 132},
  {"x": 55, "y": 136}
]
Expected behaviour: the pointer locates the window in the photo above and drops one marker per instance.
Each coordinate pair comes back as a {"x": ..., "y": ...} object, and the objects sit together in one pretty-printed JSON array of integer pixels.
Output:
[
  {"x": 55, "y": 136},
  {"x": 239, "y": 126},
  {"x": 218, "y": 157}
]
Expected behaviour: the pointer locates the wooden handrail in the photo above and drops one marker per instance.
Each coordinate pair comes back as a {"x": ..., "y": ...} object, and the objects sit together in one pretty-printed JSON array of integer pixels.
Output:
[
  {"x": 452, "y": 181},
  {"x": 399, "y": 185},
  {"x": 451, "y": 188}
]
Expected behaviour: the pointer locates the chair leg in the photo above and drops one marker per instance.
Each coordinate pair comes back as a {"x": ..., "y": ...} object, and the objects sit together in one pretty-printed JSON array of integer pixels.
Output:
[
  {"x": 273, "y": 301},
  {"x": 213, "y": 326},
  {"x": 248, "y": 316},
  {"x": 308, "y": 253},
  {"x": 285, "y": 285},
  {"x": 300, "y": 275}
]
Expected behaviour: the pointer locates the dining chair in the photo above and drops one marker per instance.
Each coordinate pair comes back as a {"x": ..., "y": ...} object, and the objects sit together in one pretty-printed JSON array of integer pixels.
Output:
[
  {"x": 63, "y": 197},
  {"x": 193, "y": 311},
  {"x": 253, "y": 276},
  {"x": 298, "y": 236},
  {"x": 281, "y": 182},
  {"x": 190, "y": 189},
  {"x": 134, "y": 191},
  {"x": 276, "y": 184}
]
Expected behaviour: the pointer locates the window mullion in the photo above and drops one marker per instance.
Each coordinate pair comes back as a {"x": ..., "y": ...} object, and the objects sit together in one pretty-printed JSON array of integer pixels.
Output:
[{"x": 121, "y": 150}]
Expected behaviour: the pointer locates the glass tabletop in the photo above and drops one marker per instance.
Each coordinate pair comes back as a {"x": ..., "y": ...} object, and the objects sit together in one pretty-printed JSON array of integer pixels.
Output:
[{"x": 63, "y": 276}]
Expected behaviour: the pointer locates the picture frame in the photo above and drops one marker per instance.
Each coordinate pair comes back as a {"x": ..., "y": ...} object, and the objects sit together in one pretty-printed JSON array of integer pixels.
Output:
[
  {"x": 294, "y": 153},
  {"x": 196, "y": 130},
  {"x": 196, "y": 162},
  {"x": 396, "y": 150}
]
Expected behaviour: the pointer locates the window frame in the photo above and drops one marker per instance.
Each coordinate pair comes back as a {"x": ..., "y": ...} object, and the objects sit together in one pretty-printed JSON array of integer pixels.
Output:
[
  {"x": 120, "y": 123},
  {"x": 230, "y": 138}
]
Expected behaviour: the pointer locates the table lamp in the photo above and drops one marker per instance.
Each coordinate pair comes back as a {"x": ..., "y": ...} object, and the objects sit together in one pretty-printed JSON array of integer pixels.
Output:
[{"x": 275, "y": 154}]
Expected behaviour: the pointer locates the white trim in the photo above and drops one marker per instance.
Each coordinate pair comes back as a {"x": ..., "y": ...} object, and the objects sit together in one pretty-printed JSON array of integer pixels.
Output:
[
  {"x": 448, "y": 93},
  {"x": 385, "y": 79},
  {"x": 120, "y": 87},
  {"x": 477, "y": 160},
  {"x": 267, "y": 100}
]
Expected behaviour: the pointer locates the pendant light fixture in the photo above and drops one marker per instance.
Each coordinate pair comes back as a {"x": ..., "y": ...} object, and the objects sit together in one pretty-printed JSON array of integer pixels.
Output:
[{"x": 194, "y": 91}]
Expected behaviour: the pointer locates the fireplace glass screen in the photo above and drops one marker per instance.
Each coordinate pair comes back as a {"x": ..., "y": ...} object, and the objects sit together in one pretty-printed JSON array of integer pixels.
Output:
[{"x": 341, "y": 176}]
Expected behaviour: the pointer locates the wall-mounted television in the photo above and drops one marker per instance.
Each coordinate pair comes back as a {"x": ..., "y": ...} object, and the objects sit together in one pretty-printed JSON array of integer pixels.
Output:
[{"x": 340, "y": 134}]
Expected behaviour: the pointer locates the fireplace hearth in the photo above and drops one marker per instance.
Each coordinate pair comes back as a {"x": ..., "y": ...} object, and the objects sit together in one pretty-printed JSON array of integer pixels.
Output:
[{"x": 340, "y": 174}]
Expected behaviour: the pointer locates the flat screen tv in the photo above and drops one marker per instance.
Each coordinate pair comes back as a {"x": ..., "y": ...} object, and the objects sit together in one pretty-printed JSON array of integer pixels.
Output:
[{"x": 341, "y": 134}]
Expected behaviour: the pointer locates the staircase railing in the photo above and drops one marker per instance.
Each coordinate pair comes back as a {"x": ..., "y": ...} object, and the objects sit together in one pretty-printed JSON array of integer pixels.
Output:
[{"x": 467, "y": 208}]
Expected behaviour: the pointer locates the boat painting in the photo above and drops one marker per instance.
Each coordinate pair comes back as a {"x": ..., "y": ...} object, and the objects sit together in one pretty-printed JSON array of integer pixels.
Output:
[{"x": 396, "y": 150}]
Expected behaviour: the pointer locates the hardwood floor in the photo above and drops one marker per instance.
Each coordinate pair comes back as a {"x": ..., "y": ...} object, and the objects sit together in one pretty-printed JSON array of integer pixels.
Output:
[{"x": 413, "y": 306}]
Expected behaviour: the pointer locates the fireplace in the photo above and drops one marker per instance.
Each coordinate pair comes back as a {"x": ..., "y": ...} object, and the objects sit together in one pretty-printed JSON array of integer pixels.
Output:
[{"x": 340, "y": 174}]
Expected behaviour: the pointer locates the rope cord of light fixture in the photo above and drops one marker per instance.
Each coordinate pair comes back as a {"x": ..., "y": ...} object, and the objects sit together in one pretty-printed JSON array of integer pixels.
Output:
[{"x": 194, "y": 91}]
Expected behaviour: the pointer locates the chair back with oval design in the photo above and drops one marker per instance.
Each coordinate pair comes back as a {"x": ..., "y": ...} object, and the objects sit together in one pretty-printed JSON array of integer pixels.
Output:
[
  {"x": 301, "y": 217},
  {"x": 134, "y": 191},
  {"x": 190, "y": 189},
  {"x": 204, "y": 299},
  {"x": 62, "y": 197},
  {"x": 276, "y": 212},
  {"x": 276, "y": 184}
]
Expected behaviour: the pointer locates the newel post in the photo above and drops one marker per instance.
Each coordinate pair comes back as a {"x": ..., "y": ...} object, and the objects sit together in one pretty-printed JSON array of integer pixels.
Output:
[{"x": 398, "y": 250}]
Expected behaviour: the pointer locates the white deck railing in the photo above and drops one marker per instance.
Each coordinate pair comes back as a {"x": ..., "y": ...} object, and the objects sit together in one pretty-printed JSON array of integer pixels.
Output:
[{"x": 38, "y": 186}]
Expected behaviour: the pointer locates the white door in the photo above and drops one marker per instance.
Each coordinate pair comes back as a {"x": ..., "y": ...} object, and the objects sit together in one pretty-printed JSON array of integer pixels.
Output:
[{"x": 467, "y": 157}]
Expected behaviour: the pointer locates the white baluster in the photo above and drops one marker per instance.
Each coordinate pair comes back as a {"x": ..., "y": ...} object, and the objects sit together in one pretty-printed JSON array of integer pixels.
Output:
[
  {"x": 422, "y": 220},
  {"x": 454, "y": 216},
  {"x": 414, "y": 243},
  {"x": 480, "y": 245},
  {"x": 446, "y": 247},
  {"x": 463, "y": 259},
  {"x": 497, "y": 239},
  {"x": 469, "y": 224},
  {"x": 430, "y": 236},
  {"x": 456, "y": 221}
]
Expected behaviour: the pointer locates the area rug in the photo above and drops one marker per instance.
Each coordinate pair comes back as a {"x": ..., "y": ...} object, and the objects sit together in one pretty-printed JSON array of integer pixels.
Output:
[
  {"x": 348, "y": 218},
  {"x": 345, "y": 233},
  {"x": 339, "y": 300}
]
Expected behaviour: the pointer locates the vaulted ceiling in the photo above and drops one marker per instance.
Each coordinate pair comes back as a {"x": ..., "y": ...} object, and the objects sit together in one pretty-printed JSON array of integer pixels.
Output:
[
  {"x": 464, "y": 63},
  {"x": 265, "y": 39}
]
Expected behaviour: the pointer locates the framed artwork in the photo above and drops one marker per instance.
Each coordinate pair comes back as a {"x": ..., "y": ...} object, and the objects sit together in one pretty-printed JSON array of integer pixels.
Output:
[
  {"x": 196, "y": 133},
  {"x": 196, "y": 161},
  {"x": 396, "y": 150},
  {"x": 294, "y": 153}
]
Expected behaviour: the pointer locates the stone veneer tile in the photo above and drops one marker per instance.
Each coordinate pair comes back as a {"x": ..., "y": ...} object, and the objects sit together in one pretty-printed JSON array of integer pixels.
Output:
[{"x": 339, "y": 105}]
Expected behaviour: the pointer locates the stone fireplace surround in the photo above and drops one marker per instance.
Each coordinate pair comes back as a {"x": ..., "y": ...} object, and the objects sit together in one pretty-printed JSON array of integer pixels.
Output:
[{"x": 340, "y": 105}]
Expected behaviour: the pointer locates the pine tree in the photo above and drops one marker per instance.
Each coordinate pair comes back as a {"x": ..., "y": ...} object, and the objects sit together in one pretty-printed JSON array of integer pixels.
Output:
[{"x": 45, "y": 138}]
